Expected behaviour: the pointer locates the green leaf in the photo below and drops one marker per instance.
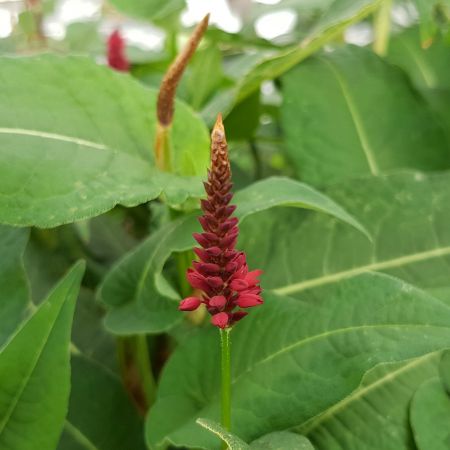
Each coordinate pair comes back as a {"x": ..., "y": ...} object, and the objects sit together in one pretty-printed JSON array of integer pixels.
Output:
[
  {"x": 382, "y": 401},
  {"x": 233, "y": 442},
  {"x": 337, "y": 128},
  {"x": 133, "y": 289},
  {"x": 247, "y": 112},
  {"x": 14, "y": 291},
  {"x": 281, "y": 191},
  {"x": 204, "y": 76},
  {"x": 444, "y": 370},
  {"x": 428, "y": 22},
  {"x": 430, "y": 416},
  {"x": 254, "y": 68},
  {"x": 149, "y": 9},
  {"x": 80, "y": 141},
  {"x": 406, "y": 215},
  {"x": 35, "y": 372},
  {"x": 100, "y": 416},
  {"x": 338, "y": 16},
  {"x": 130, "y": 289},
  {"x": 88, "y": 332},
  {"x": 48, "y": 256},
  {"x": 427, "y": 68},
  {"x": 282, "y": 440},
  {"x": 330, "y": 337}
]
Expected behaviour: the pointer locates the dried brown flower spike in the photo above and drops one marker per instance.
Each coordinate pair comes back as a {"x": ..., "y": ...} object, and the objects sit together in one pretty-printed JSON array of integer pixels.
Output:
[{"x": 166, "y": 96}]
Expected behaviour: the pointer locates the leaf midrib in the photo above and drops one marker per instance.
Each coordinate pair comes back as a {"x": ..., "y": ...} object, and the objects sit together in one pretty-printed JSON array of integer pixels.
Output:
[
  {"x": 303, "y": 341},
  {"x": 382, "y": 265},
  {"x": 357, "y": 120},
  {"x": 309, "y": 339},
  {"x": 427, "y": 75},
  {"x": 53, "y": 136},
  {"x": 79, "y": 436},
  {"x": 362, "y": 391}
]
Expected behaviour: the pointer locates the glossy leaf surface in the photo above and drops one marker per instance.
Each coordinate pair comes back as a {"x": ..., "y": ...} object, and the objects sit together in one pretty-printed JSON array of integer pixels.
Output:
[
  {"x": 330, "y": 339},
  {"x": 89, "y": 146},
  {"x": 336, "y": 127},
  {"x": 35, "y": 372}
]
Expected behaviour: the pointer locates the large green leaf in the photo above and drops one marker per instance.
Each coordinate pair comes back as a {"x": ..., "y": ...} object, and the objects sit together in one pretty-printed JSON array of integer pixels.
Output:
[
  {"x": 35, "y": 372},
  {"x": 412, "y": 245},
  {"x": 281, "y": 191},
  {"x": 77, "y": 138},
  {"x": 333, "y": 21},
  {"x": 336, "y": 127},
  {"x": 380, "y": 403},
  {"x": 427, "y": 68},
  {"x": 100, "y": 416},
  {"x": 132, "y": 289},
  {"x": 430, "y": 416},
  {"x": 330, "y": 337},
  {"x": 14, "y": 292},
  {"x": 406, "y": 214}
]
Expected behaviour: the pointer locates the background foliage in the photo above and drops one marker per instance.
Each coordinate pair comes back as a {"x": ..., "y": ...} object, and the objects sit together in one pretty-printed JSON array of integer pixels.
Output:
[{"x": 341, "y": 165}]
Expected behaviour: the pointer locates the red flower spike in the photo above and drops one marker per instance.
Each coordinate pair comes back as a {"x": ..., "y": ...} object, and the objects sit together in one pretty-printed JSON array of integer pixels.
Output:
[
  {"x": 221, "y": 272},
  {"x": 116, "y": 52}
]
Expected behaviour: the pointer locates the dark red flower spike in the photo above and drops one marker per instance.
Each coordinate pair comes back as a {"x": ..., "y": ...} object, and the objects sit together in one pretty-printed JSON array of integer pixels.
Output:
[
  {"x": 221, "y": 272},
  {"x": 116, "y": 52}
]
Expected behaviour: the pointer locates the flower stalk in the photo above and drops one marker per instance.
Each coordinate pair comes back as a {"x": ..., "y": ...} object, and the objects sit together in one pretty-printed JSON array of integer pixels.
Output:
[
  {"x": 220, "y": 277},
  {"x": 136, "y": 371},
  {"x": 382, "y": 27},
  {"x": 225, "y": 347}
]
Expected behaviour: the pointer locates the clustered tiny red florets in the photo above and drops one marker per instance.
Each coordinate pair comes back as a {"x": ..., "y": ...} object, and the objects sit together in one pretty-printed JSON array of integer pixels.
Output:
[
  {"x": 221, "y": 272},
  {"x": 116, "y": 52}
]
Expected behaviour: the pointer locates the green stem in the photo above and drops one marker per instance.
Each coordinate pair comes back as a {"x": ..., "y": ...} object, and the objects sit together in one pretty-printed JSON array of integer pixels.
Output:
[
  {"x": 163, "y": 148},
  {"x": 184, "y": 261},
  {"x": 225, "y": 345},
  {"x": 382, "y": 27},
  {"x": 136, "y": 369},
  {"x": 171, "y": 43},
  {"x": 145, "y": 368},
  {"x": 256, "y": 159}
]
